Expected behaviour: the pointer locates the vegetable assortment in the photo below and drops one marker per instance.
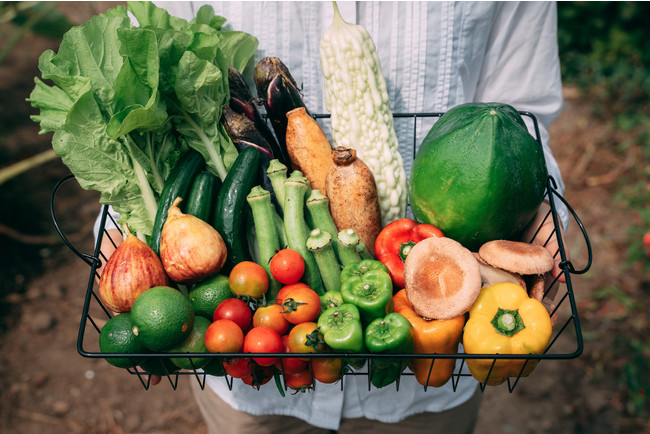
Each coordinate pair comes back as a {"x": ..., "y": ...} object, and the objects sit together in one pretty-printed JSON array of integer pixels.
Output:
[{"x": 279, "y": 241}]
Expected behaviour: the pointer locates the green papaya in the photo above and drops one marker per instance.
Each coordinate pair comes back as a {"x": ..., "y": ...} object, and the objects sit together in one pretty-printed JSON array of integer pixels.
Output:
[{"x": 478, "y": 175}]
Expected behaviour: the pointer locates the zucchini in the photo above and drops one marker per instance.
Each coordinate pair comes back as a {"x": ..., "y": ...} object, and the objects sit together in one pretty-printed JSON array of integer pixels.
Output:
[
  {"x": 177, "y": 184},
  {"x": 231, "y": 208},
  {"x": 201, "y": 199}
]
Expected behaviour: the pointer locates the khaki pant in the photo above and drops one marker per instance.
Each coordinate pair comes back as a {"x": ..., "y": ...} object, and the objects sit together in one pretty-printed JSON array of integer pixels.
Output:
[{"x": 221, "y": 418}]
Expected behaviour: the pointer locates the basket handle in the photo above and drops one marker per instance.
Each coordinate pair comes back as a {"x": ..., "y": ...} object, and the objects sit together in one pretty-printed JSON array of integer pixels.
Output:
[{"x": 87, "y": 258}]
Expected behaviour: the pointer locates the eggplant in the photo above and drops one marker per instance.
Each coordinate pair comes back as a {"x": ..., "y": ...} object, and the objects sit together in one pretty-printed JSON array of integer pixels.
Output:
[
  {"x": 243, "y": 102},
  {"x": 243, "y": 133},
  {"x": 280, "y": 94}
]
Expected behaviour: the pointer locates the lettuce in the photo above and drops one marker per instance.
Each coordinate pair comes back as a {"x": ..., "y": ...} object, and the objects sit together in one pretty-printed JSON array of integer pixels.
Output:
[{"x": 125, "y": 101}]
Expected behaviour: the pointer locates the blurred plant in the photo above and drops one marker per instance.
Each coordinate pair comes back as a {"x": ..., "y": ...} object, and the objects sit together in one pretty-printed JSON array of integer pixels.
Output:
[
  {"x": 41, "y": 18},
  {"x": 605, "y": 52}
]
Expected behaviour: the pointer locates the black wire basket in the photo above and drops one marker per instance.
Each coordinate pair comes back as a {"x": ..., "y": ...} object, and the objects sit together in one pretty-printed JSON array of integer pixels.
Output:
[{"x": 94, "y": 313}]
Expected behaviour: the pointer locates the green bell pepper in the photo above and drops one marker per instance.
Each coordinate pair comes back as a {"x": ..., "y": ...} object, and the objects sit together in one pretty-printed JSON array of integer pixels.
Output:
[
  {"x": 341, "y": 328},
  {"x": 330, "y": 299},
  {"x": 391, "y": 334},
  {"x": 367, "y": 285}
]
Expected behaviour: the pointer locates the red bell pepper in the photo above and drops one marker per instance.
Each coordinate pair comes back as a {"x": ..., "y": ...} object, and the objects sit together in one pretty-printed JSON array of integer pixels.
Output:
[{"x": 395, "y": 241}]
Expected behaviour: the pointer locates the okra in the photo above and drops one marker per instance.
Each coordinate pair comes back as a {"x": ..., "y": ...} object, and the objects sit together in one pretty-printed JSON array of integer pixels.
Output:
[
  {"x": 363, "y": 251},
  {"x": 320, "y": 244},
  {"x": 348, "y": 241},
  {"x": 318, "y": 206},
  {"x": 297, "y": 232},
  {"x": 268, "y": 241},
  {"x": 277, "y": 173}
]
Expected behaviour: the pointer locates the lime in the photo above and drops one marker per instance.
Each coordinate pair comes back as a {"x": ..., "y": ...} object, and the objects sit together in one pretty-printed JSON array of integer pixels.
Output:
[
  {"x": 206, "y": 296},
  {"x": 117, "y": 337},
  {"x": 159, "y": 366},
  {"x": 195, "y": 343},
  {"x": 162, "y": 318}
]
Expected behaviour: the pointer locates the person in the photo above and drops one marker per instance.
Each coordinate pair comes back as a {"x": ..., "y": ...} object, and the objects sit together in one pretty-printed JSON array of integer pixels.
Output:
[{"x": 434, "y": 55}]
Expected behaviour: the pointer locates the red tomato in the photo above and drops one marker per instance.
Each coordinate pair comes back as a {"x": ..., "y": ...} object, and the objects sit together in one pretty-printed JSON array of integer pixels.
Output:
[
  {"x": 305, "y": 338},
  {"x": 290, "y": 364},
  {"x": 300, "y": 304},
  {"x": 263, "y": 340},
  {"x": 259, "y": 376},
  {"x": 248, "y": 278},
  {"x": 238, "y": 367},
  {"x": 271, "y": 316},
  {"x": 327, "y": 370},
  {"x": 286, "y": 288},
  {"x": 224, "y": 336},
  {"x": 300, "y": 381},
  {"x": 287, "y": 266},
  {"x": 235, "y": 310}
]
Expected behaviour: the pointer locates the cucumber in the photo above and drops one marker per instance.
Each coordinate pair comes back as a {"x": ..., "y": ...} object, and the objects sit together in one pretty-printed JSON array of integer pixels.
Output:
[
  {"x": 202, "y": 195},
  {"x": 177, "y": 184},
  {"x": 231, "y": 208}
]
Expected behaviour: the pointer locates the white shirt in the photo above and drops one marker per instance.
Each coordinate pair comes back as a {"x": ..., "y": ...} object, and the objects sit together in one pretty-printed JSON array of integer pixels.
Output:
[{"x": 434, "y": 56}]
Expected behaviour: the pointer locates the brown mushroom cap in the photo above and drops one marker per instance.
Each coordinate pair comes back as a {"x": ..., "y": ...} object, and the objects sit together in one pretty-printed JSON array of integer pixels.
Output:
[
  {"x": 491, "y": 275},
  {"x": 517, "y": 256},
  {"x": 442, "y": 278}
]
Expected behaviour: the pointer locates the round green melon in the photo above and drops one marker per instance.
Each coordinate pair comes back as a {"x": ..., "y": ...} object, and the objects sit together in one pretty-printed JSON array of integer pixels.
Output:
[{"x": 479, "y": 175}]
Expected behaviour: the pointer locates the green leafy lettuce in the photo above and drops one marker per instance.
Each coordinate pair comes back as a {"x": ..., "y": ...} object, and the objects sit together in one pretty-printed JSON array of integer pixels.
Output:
[{"x": 125, "y": 101}]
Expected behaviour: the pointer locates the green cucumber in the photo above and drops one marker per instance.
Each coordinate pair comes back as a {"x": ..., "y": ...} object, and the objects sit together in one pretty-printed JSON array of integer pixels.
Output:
[
  {"x": 202, "y": 195},
  {"x": 177, "y": 184},
  {"x": 230, "y": 214}
]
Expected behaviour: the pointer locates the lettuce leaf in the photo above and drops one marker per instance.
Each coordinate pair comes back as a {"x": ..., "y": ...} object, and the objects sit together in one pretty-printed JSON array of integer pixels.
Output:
[{"x": 126, "y": 101}]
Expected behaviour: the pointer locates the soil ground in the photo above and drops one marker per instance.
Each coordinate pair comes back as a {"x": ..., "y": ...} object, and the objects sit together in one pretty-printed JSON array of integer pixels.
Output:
[{"x": 45, "y": 385}]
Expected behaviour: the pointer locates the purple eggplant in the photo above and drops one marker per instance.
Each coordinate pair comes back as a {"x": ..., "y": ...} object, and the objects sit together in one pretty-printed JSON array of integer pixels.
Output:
[
  {"x": 243, "y": 102},
  {"x": 280, "y": 94}
]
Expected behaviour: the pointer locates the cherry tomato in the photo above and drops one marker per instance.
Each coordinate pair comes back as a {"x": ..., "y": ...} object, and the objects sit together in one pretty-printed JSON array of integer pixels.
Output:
[
  {"x": 259, "y": 376},
  {"x": 238, "y": 367},
  {"x": 290, "y": 364},
  {"x": 271, "y": 316},
  {"x": 287, "y": 266},
  {"x": 248, "y": 278},
  {"x": 286, "y": 288},
  {"x": 263, "y": 340},
  {"x": 235, "y": 310},
  {"x": 300, "y": 304},
  {"x": 224, "y": 336},
  {"x": 305, "y": 338},
  {"x": 300, "y": 381},
  {"x": 327, "y": 370}
]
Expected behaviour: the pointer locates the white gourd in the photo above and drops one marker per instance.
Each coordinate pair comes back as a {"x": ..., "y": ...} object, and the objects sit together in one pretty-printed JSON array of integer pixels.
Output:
[{"x": 356, "y": 96}]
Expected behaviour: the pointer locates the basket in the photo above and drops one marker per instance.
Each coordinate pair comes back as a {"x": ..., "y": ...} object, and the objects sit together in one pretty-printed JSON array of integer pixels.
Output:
[{"x": 94, "y": 313}]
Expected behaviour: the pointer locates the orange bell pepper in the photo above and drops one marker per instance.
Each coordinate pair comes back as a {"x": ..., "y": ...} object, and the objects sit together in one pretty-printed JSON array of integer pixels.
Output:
[{"x": 431, "y": 336}]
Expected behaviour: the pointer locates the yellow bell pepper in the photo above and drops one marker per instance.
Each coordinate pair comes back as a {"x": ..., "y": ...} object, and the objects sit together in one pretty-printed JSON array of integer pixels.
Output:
[{"x": 504, "y": 320}]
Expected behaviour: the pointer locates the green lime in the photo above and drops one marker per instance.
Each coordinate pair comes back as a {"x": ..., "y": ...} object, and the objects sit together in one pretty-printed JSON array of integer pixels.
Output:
[
  {"x": 206, "y": 296},
  {"x": 117, "y": 337},
  {"x": 162, "y": 318},
  {"x": 159, "y": 366},
  {"x": 195, "y": 343}
]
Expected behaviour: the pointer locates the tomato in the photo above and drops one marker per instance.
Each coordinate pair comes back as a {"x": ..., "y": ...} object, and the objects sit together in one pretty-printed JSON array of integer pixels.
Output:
[
  {"x": 271, "y": 316},
  {"x": 235, "y": 310},
  {"x": 327, "y": 370},
  {"x": 263, "y": 340},
  {"x": 290, "y": 364},
  {"x": 300, "y": 304},
  {"x": 248, "y": 279},
  {"x": 301, "y": 380},
  {"x": 287, "y": 266},
  {"x": 286, "y": 288},
  {"x": 238, "y": 367},
  {"x": 305, "y": 338},
  {"x": 224, "y": 336},
  {"x": 259, "y": 376}
]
